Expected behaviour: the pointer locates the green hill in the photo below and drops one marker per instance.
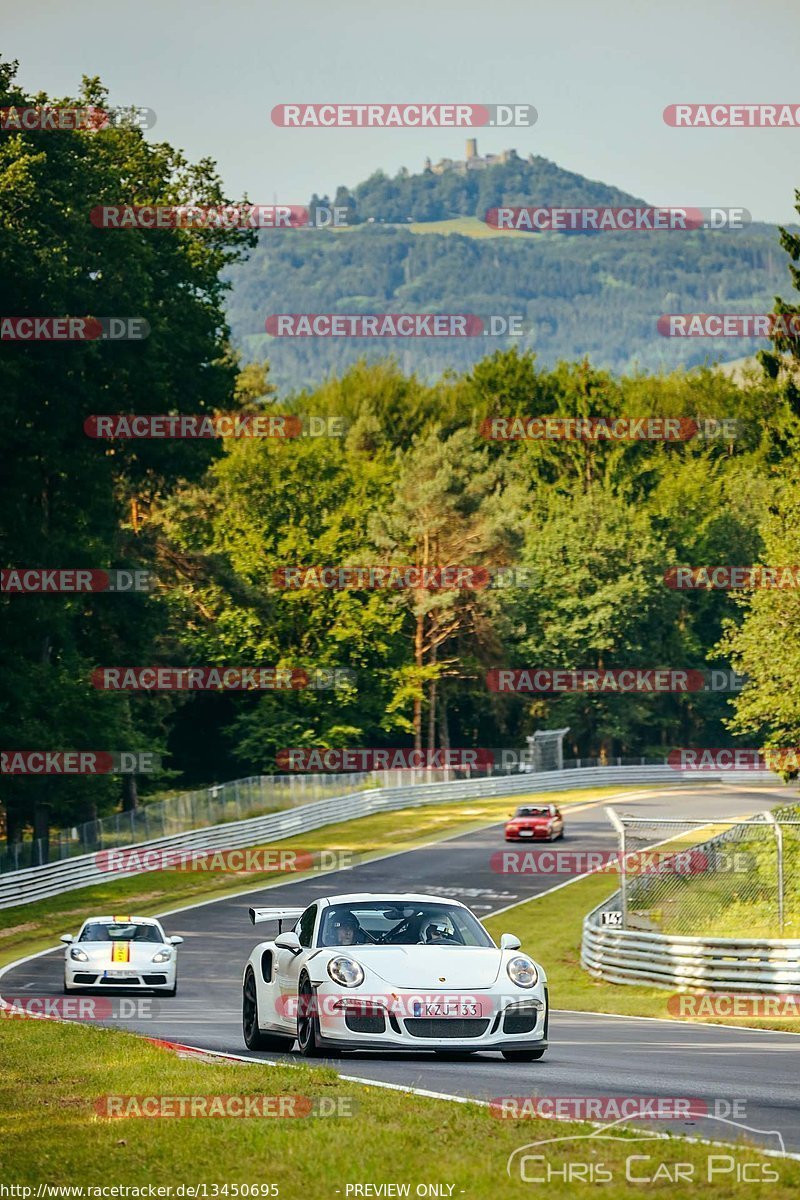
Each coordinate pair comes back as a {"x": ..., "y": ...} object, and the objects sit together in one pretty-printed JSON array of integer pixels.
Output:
[{"x": 579, "y": 294}]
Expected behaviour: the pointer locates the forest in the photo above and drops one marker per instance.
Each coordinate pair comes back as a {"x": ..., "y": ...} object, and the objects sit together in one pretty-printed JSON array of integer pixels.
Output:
[{"x": 386, "y": 465}]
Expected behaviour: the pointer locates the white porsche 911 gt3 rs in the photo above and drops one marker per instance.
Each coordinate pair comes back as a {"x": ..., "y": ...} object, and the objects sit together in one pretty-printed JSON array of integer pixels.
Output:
[
  {"x": 121, "y": 952},
  {"x": 391, "y": 972}
]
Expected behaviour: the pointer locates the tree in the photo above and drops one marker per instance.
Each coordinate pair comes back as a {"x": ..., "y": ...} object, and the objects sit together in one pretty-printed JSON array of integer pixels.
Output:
[
  {"x": 447, "y": 510},
  {"x": 69, "y": 500}
]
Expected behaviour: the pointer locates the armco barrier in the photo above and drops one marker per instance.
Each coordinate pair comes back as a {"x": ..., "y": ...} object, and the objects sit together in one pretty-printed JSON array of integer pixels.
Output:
[
  {"x": 681, "y": 961},
  {"x": 713, "y": 964},
  {"x": 38, "y": 883}
]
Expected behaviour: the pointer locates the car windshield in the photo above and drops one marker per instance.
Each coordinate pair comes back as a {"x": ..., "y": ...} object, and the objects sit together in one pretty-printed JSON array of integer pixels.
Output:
[
  {"x": 387, "y": 922},
  {"x": 533, "y": 812},
  {"x": 100, "y": 931}
]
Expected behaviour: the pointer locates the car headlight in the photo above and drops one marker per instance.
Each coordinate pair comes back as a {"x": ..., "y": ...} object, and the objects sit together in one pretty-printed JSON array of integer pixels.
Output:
[
  {"x": 164, "y": 955},
  {"x": 522, "y": 972},
  {"x": 78, "y": 954},
  {"x": 346, "y": 971}
]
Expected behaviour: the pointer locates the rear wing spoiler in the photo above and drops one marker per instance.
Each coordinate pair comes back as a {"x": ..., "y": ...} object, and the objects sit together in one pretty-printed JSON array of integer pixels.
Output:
[{"x": 259, "y": 915}]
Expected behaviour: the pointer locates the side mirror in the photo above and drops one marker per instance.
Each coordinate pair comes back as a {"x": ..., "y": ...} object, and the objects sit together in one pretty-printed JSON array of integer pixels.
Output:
[
  {"x": 66, "y": 937},
  {"x": 509, "y": 942},
  {"x": 175, "y": 941},
  {"x": 288, "y": 941}
]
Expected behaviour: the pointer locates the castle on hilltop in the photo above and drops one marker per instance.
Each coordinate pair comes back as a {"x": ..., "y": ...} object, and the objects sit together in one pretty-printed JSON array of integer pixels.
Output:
[{"x": 473, "y": 161}]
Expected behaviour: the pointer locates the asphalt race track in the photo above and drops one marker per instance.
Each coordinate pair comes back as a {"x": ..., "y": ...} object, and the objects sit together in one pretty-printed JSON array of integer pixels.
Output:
[{"x": 590, "y": 1054}]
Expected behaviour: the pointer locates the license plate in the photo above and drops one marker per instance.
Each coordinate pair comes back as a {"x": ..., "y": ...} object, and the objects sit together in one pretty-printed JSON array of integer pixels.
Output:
[
  {"x": 526, "y": 833},
  {"x": 460, "y": 1009},
  {"x": 119, "y": 975}
]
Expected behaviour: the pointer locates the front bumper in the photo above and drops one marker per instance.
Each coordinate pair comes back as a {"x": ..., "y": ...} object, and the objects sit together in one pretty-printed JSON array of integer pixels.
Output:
[
  {"x": 517, "y": 1023},
  {"x": 156, "y": 977},
  {"x": 535, "y": 835}
]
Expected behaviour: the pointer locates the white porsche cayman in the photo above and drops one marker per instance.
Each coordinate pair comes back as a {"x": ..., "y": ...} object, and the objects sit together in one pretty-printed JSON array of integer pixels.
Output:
[
  {"x": 391, "y": 972},
  {"x": 121, "y": 952}
]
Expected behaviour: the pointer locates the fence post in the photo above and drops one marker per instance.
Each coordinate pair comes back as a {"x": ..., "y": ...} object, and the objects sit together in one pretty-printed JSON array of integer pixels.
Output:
[
  {"x": 779, "y": 850},
  {"x": 623, "y": 865}
]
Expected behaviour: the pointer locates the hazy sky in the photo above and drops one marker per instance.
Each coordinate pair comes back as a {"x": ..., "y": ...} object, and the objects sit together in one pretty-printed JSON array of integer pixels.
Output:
[{"x": 599, "y": 72}]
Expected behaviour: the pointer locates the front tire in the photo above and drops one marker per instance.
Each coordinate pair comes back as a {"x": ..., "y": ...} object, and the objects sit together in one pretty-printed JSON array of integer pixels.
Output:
[
  {"x": 308, "y": 1037},
  {"x": 255, "y": 1038}
]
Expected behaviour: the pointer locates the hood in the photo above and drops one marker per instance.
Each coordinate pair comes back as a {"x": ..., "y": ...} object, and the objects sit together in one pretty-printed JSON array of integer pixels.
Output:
[
  {"x": 531, "y": 821},
  {"x": 117, "y": 955},
  {"x": 463, "y": 967}
]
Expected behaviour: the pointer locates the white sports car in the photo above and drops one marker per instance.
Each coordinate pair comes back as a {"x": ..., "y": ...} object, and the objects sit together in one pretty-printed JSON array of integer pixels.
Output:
[
  {"x": 121, "y": 952},
  {"x": 391, "y": 972}
]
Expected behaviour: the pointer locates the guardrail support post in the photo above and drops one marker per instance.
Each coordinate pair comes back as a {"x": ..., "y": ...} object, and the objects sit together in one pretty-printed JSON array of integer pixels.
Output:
[
  {"x": 623, "y": 865},
  {"x": 779, "y": 850}
]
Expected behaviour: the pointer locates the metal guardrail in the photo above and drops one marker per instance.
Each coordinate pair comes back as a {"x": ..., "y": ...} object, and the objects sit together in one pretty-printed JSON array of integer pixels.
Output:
[
  {"x": 38, "y": 883},
  {"x": 215, "y": 805},
  {"x": 242, "y": 798},
  {"x": 714, "y": 964}
]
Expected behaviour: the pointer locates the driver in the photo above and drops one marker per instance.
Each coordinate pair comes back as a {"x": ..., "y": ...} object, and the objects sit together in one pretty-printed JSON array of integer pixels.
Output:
[
  {"x": 436, "y": 933},
  {"x": 345, "y": 929}
]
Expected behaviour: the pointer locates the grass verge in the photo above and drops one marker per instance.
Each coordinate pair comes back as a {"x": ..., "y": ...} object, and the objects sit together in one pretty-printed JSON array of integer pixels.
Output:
[{"x": 50, "y": 1132}]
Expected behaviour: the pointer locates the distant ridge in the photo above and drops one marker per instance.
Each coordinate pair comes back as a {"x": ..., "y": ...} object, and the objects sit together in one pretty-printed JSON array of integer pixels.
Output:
[{"x": 419, "y": 243}]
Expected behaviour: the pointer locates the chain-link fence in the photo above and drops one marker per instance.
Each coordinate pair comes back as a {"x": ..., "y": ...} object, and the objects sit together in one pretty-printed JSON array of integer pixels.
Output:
[
  {"x": 727, "y": 878},
  {"x": 215, "y": 805}
]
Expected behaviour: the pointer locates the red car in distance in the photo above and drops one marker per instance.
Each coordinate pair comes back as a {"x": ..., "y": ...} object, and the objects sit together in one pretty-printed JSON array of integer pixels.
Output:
[{"x": 535, "y": 823}]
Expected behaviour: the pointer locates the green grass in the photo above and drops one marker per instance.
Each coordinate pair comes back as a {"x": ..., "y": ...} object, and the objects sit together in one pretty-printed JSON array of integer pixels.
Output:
[
  {"x": 28, "y": 928},
  {"x": 550, "y": 929},
  {"x": 465, "y": 226},
  {"x": 53, "y": 1075}
]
